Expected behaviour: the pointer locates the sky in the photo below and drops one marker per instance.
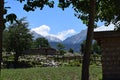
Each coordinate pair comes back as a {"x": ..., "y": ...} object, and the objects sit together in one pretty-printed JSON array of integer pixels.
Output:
[{"x": 49, "y": 21}]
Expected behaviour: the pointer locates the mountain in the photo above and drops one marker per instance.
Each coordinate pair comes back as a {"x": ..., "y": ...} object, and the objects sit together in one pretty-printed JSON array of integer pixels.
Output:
[
  {"x": 75, "y": 41},
  {"x": 35, "y": 35},
  {"x": 52, "y": 39},
  {"x": 78, "y": 38},
  {"x": 49, "y": 38},
  {"x": 70, "y": 42}
]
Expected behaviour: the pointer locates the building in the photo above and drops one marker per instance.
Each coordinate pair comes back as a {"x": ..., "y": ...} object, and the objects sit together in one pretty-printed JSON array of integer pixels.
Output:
[{"x": 109, "y": 40}]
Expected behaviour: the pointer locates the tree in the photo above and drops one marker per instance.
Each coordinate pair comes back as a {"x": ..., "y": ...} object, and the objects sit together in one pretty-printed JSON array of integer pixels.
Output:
[
  {"x": 82, "y": 46},
  {"x": 94, "y": 49},
  {"x": 18, "y": 38},
  {"x": 61, "y": 47},
  {"x": 85, "y": 10},
  {"x": 86, "y": 57},
  {"x": 5, "y": 37},
  {"x": 41, "y": 42},
  {"x": 107, "y": 10},
  {"x": 30, "y": 5},
  {"x": 71, "y": 50},
  {"x": 1, "y": 27}
]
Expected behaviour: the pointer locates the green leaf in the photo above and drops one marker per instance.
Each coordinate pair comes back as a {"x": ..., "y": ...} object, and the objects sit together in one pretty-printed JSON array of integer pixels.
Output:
[{"x": 11, "y": 17}]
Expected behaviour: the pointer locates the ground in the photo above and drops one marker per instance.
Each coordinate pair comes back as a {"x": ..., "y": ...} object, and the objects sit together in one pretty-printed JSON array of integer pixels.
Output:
[{"x": 50, "y": 73}]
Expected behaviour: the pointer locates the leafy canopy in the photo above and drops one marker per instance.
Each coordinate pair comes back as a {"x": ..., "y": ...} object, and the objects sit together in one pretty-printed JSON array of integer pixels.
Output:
[
  {"x": 41, "y": 42},
  {"x": 17, "y": 36},
  {"x": 106, "y": 10}
]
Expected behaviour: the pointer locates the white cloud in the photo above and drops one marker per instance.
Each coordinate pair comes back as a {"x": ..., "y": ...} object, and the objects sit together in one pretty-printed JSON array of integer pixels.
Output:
[{"x": 44, "y": 31}]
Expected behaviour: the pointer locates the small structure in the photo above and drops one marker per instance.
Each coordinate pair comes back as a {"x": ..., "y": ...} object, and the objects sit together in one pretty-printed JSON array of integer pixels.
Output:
[
  {"x": 41, "y": 51},
  {"x": 109, "y": 41}
]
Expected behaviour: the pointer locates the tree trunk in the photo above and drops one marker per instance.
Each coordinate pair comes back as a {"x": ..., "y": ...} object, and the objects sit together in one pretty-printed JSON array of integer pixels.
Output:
[
  {"x": 1, "y": 28},
  {"x": 86, "y": 57},
  {"x": 16, "y": 56}
]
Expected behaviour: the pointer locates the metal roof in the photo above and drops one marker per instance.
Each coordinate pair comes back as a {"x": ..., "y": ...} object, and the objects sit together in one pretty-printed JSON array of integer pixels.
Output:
[{"x": 110, "y": 27}]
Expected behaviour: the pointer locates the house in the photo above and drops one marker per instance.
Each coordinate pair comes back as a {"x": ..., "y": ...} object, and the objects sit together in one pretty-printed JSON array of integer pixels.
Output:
[{"x": 109, "y": 40}]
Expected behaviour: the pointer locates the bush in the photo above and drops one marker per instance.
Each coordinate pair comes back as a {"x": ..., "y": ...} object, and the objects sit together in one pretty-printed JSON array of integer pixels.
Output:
[
  {"x": 73, "y": 63},
  {"x": 20, "y": 64}
]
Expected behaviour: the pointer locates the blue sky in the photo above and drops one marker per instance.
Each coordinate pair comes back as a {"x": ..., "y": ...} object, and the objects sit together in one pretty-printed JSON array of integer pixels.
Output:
[{"x": 49, "y": 21}]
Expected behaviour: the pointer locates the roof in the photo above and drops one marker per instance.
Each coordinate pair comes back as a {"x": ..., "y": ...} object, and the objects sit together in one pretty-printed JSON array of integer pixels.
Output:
[{"x": 110, "y": 27}]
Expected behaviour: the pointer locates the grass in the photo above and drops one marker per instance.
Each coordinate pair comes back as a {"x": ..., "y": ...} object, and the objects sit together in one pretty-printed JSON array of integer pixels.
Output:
[{"x": 49, "y": 73}]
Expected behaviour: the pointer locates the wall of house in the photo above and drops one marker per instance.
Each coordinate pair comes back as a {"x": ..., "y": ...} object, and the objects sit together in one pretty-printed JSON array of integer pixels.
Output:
[
  {"x": 110, "y": 44},
  {"x": 110, "y": 57}
]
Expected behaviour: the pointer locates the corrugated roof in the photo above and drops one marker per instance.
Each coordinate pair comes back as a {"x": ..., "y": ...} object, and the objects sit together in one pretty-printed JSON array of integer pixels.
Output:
[{"x": 110, "y": 27}]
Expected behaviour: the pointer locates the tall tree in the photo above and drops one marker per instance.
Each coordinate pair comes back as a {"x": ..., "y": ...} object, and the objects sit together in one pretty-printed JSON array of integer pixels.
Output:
[
  {"x": 86, "y": 12},
  {"x": 61, "y": 47},
  {"x": 41, "y": 42},
  {"x": 82, "y": 47},
  {"x": 94, "y": 49},
  {"x": 71, "y": 50},
  {"x": 86, "y": 57},
  {"x": 1, "y": 27},
  {"x": 19, "y": 38},
  {"x": 107, "y": 10},
  {"x": 30, "y": 5},
  {"x": 5, "y": 37}
]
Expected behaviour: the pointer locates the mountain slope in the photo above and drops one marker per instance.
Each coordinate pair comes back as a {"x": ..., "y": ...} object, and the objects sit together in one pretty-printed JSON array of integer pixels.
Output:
[
  {"x": 78, "y": 38},
  {"x": 75, "y": 41},
  {"x": 49, "y": 38},
  {"x": 71, "y": 42},
  {"x": 52, "y": 39},
  {"x": 35, "y": 35}
]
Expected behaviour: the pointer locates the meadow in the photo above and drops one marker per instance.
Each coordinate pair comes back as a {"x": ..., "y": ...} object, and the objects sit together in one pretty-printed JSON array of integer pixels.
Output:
[{"x": 50, "y": 73}]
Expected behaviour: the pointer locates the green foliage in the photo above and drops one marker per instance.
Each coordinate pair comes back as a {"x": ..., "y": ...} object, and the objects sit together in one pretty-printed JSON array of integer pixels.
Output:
[
  {"x": 109, "y": 10},
  {"x": 117, "y": 26},
  {"x": 95, "y": 59},
  {"x": 62, "y": 52},
  {"x": 74, "y": 63},
  {"x": 5, "y": 39},
  {"x": 17, "y": 37},
  {"x": 11, "y": 17},
  {"x": 71, "y": 50},
  {"x": 106, "y": 10},
  {"x": 61, "y": 47},
  {"x": 41, "y": 42},
  {"x": 95, "y": 47},
  {"x": 31, "y": 5},
  {"x": 82, "y": 47},
  {"x": 81, "y": 8},
  {"x": 8, "y": 17}
]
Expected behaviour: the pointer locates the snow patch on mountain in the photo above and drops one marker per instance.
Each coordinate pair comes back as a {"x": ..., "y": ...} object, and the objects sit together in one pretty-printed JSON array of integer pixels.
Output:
[
  {"x": 53, "y": 39},
  {"x": 49, "y": 38}
]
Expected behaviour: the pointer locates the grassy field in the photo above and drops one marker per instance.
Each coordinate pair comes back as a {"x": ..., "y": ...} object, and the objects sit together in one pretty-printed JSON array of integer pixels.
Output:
[{"x": 49, "y": 73}]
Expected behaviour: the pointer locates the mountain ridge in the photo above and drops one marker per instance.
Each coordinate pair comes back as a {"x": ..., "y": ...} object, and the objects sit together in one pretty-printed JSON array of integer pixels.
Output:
[{"x": 70, "y": 42}]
